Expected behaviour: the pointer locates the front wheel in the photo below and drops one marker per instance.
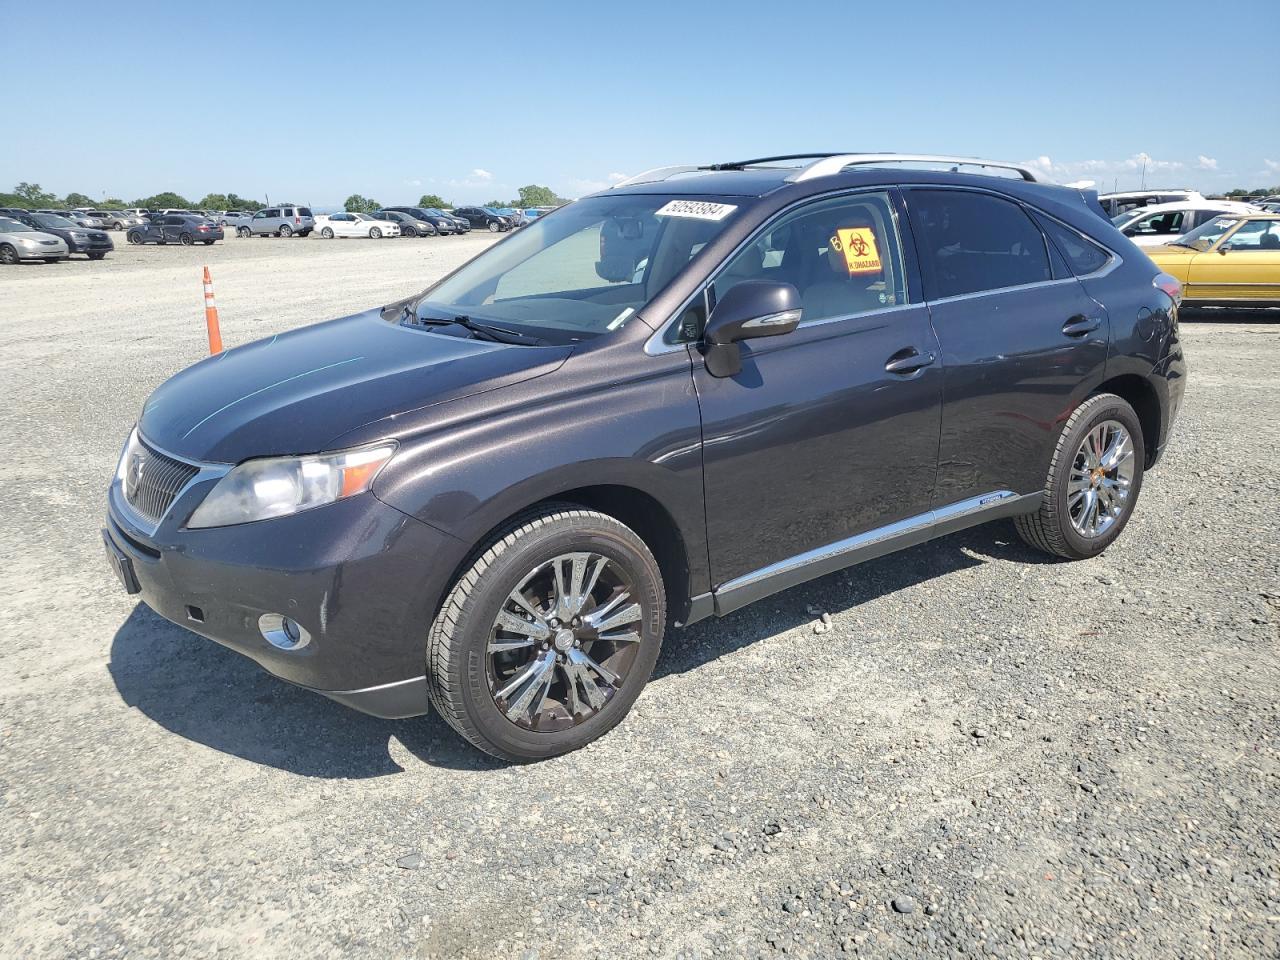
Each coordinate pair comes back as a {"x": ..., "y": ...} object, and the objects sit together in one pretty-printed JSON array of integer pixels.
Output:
[
  {"x": 1094, "y": 479},
  {"x": 185, "y": 239},
  {"x": 546, "y": 640},
  {"x": 8, "y": 254},
  {"x": 97, "y": 256},
  {"x": 375, "y": 233},
  {"x": 133, "y": 237},
  {"x": 242, "y": 232},
  {"x": 494, "y": 227}
]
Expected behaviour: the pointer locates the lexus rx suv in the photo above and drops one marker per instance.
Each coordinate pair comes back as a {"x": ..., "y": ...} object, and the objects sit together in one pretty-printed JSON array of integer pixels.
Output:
[{"x": 657, "y": 404}]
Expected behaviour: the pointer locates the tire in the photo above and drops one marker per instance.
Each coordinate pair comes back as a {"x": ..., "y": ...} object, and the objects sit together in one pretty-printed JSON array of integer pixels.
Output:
[
  {"x": 96, "y": 256},
  {"x": 8, "y": 254},
  {"x": 1056, "y": 527},
  {"x": 409, "y": 232},
  {"x": 465, "y": 678},
  {"x": 286, "y": 231},
  {"x": 327, "y": 233},
  {"x": 375, "y": 233},
  {"x": 184, "y": 239},
  {"x": 494, "y": 226},
  {"x": 243, "y": 232},
  {"x": 207, "y": 243},
  {"x": 135, "y": 238}
]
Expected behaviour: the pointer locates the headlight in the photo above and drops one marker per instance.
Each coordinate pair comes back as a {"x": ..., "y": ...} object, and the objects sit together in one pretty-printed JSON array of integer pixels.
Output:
[
  {"x": 76, "y": 235},
  {"x": 27, "y": 242},
  {"x": 279, "y": 486}
]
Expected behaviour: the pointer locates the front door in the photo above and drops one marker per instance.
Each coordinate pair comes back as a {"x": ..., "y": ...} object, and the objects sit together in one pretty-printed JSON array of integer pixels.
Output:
[
  {"x": 1020, "y": 340},
  {"x": 1244, "y": 265},
  {"x": 832, "y": 430}
]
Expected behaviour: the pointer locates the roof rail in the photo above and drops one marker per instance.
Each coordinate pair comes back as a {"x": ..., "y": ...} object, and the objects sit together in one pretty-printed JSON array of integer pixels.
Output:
[{"x": 827, "y": 166}]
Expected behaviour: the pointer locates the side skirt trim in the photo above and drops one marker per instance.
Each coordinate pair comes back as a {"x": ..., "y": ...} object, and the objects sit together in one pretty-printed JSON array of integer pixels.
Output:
[{"x": 867, "y": 546}]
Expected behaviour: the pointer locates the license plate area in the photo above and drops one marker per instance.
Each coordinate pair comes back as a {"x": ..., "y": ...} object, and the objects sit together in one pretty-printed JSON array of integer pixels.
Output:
[{"x": 122, "y": 564}]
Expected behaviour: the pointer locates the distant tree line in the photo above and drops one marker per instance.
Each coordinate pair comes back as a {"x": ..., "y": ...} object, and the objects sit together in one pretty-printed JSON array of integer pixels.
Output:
[
  {"x": 1260, "y": 192},
  {"x": 30, "y": 196}
]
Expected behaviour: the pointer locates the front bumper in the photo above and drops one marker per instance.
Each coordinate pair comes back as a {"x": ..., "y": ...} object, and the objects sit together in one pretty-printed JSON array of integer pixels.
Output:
[
  {"x": 92, "y": 245},
  {"x": 41, "y": 252},
  {"x": 362, "y": 578}
]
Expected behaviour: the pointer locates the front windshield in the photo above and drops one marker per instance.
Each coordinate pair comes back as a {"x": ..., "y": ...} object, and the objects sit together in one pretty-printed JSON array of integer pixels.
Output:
[
  {"x": 584, "y": 270},
  {"x": 1206, "y": 235},
  {"x": 1120, "y": 218},
  {"x": 53, "y": 220},
  {"x": 13, "y": 226}
]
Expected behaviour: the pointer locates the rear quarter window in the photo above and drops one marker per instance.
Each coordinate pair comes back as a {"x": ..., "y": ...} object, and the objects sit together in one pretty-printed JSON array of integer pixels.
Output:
[{"x": 1084, "y": 256}]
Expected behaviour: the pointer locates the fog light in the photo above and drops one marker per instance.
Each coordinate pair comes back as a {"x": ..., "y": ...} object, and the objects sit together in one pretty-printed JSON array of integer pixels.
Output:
[{"x": 283, "y": 632}]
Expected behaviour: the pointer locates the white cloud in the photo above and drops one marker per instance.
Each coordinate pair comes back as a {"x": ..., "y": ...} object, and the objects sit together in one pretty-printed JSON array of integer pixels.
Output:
[
  {"x": 1273, "y": 166},
  {"x": 1206, "y": 163},
  {"x": 414, "y": 183},
  {"x": 615, "y": 177},
  {"x": 481, "y": 174},
  {"x": 1128, "y": 168}
]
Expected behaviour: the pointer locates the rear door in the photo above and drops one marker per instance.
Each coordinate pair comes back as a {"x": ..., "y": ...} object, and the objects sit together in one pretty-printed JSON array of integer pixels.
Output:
[
  {"x": 1020, "y": 340},
  {"x": 832, "y": 430}
]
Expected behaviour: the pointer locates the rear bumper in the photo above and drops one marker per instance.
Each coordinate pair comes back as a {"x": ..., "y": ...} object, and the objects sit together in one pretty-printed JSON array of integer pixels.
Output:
[{"x": 362, "y": 578}]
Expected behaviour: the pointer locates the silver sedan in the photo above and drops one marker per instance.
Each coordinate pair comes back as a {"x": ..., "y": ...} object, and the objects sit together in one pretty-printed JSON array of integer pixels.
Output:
[{"x": 19, "y": 242}]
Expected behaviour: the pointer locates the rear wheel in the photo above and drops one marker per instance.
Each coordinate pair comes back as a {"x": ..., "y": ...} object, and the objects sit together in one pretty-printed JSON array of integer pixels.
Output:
[
  {"x": 546, "y": 640},
  {"x": 286, "y": 231},
  {"x": 494, "y": 227},
  {"x": 327, "y": 233},
  {"x": 1094, "y": 479}
]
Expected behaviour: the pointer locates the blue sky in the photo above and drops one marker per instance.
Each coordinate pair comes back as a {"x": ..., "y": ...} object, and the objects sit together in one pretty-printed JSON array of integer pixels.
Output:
[{"x": 315, "y": 101}]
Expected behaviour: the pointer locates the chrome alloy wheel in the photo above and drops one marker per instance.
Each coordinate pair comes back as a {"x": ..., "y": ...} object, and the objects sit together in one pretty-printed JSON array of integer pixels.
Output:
[
  {"x": 1101, "y": 479},
  {"x": 563, "y": 642}
]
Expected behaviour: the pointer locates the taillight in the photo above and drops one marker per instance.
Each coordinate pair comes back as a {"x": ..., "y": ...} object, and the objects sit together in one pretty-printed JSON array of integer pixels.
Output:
[
  {"x": 202, "y": 229},
  {"x": 1169, "y": 285},
  {"x": 297, "y": 219}
]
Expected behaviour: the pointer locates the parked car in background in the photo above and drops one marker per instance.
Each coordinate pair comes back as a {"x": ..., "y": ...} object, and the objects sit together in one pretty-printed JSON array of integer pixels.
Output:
[
  {"x": 1231, "y": 261},
  {"x": 20, "y": 241},
  {"x": 94, "y": 244},
  {"x": 285, "y": 220},
  {"x": 235, "y": 219},
  {"x": 410, "y": 225},
  {"x": 355, "y": 225},
  {"x": 115, "y": 219},
  {"x": 185, "y": 229},
  {"x": 495, "y": 496},
  {"x": 1114, "y": 203},
  {"x": 138, "y": 212},
  {"x": 461, "y": 224},
  {"x": 443, "y": 223},
  {"x": 80, "y": 218},
  {"x": 1159, "y": 223},
  {"x": 483, "y": 218}
]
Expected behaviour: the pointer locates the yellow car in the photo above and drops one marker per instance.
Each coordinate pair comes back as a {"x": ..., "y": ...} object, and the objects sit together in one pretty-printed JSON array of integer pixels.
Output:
[{"x": 1231, "y": 261}]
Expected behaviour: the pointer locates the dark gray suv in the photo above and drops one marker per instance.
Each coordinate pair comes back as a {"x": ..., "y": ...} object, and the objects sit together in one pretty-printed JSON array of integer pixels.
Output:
[{"x": 653, "y": 405}]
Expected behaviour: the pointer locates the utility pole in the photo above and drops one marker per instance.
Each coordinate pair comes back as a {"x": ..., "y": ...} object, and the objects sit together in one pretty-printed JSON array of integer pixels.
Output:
[{"x": 1144, "y": 174}]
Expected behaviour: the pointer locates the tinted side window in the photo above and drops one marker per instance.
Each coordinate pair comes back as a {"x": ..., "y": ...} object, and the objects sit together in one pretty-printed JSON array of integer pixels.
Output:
[
  {"x": 1084, "y": 256},
  {"x": 970, "y": 242}
]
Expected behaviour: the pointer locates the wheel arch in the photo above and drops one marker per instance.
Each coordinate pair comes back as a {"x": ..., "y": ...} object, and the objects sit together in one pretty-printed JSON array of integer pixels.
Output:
[{"x": 1138, "y": 392}]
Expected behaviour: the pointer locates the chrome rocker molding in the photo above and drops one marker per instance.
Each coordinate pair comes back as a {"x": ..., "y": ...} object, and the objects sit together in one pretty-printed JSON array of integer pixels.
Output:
[{"x": 864, "y": 546}]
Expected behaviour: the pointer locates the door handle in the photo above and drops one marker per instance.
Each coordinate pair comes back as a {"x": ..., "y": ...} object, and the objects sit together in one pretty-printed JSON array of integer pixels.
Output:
[
  {"x": 908, "y": 360},
  {"x": 1079, "y": 325}
]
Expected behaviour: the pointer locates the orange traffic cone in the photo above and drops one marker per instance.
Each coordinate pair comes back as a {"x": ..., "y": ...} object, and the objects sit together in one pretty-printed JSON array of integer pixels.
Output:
[{"x": 211, "y": 316}]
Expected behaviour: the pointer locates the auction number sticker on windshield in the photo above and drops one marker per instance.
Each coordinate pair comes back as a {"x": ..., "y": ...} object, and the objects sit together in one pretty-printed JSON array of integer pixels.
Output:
[
  {"x": 858, "y": 244},
  {"x": 696, "y": 210}
]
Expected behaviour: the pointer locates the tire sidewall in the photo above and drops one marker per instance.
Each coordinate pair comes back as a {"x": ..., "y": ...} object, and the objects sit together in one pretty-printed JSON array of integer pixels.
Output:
[
  {"x": 482, "y": 606},
  {"x": 1114, "y": 408}
]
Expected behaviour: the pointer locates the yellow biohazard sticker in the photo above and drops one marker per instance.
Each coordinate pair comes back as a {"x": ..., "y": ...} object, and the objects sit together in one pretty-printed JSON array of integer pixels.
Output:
[{"x": 858, "y": 244}]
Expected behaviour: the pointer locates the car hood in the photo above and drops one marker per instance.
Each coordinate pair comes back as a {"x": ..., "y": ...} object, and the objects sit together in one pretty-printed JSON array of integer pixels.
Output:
[
  {"x": 295, "y": 392},
  {"x": 1167, "y": 252},
  {"x": 31, "y": 235}
]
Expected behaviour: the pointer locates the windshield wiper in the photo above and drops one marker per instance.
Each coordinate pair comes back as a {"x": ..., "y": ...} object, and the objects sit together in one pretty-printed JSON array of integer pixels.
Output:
[{"x": 483, "y": 331}]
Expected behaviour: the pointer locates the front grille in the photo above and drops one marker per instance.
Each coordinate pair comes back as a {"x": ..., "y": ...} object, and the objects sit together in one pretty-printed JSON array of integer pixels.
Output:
[{"x": 152, "y": 481}]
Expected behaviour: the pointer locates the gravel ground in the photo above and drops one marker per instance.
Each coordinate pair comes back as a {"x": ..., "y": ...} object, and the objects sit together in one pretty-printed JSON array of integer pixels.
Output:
[{"x": 986, "y": 754}]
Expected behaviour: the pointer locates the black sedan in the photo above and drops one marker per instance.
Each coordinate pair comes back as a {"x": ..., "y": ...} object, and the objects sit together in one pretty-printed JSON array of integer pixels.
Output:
[
  {"x": 483, "y": 218},
  {"x": 94, "y": 244},
  {"x": 183, "y": 228}
]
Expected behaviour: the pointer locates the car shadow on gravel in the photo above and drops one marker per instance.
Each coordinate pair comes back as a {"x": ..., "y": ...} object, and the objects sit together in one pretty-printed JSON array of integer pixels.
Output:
[
  {"x": 842, "y": 591},
  {"x": 214, "y": 696}
]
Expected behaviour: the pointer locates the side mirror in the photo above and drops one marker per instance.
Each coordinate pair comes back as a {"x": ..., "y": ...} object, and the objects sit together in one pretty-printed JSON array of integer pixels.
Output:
[
  {"x": 750, "y": 309},
  {"x": 1131, "y": 232}
]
